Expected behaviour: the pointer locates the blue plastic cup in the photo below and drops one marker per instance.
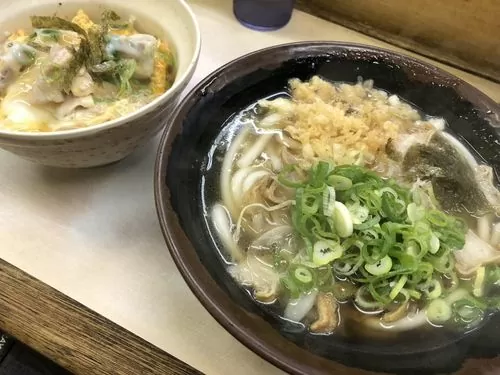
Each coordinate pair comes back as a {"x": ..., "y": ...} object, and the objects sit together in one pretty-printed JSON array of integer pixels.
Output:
[{"x": 263, "y": 15}]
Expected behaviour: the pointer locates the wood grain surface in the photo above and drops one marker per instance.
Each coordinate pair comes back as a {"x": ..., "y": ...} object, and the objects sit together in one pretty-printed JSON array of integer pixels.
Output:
[
  {"x": 461, "y": 33},
  {"x": 86, "y": 343},
  {"x": 74, "y": 336}
]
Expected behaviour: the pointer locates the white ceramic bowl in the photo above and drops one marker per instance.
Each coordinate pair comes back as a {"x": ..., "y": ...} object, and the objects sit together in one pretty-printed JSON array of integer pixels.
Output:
[{"x": 171, "y": 20}]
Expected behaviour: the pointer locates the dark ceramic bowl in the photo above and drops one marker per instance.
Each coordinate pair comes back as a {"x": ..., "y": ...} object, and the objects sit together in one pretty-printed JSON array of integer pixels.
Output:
[{"x": 182, "y": 171}]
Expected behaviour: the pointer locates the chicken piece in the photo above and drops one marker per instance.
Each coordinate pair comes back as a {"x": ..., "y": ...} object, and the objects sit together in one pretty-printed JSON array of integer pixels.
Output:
[
  {"x": 105, "y": 91},
  {"x": 254, "y": 271},
  {"x": 83, "y": 20},
  {"x": 475, "y": 254},
  {"x": 82, "y": 84},
  {"x": 328, "y": 319},
  {"x": 71, "y": 104},
  {"x": 140, "y": 47},
  {"x": 57, "y": 72},
  {"x": 7, "y": 76},
  {"x": 60, "y": 56},
  {"x": 161, "y": 80},
  {"x": 15, "y": 57},
  {"x": 19, "y": 54},
  {"x": 42, "y": 92}
]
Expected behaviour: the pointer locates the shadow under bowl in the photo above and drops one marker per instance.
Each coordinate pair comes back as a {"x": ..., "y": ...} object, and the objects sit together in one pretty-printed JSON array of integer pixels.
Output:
[{"x": 183, "y": 170}]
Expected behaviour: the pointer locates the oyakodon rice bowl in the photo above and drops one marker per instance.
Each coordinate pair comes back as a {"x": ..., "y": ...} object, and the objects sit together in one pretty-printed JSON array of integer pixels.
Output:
[
  {"x": 86, "y": 84},
  {"x": 345, "y": 205}
]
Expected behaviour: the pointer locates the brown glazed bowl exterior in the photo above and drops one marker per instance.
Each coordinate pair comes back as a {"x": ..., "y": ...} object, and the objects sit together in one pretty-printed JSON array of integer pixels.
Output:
[
  {"x": 182, "y": 169},
  {"x": 172, "y": 21}
]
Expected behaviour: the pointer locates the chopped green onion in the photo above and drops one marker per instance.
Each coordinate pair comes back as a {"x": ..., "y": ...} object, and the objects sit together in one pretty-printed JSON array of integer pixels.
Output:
[
  {"x": 310, "y": 204},
  {"x": 434, "y": 290},
  {"x": 437, "y": 218},
  {"x": 319, "y": 174},
  {"x": 434, "y": 244},
  {"x": 326, "y": 251},
  {"x": 382, "y": 267},
  {"x": 457, "y": 295},
  {"x": 290, "y": 285},
  {"x": 286, "y": 179},
  {"x": 365, "y": 301},
  {"x": 478, "y": 286},
  {"x": 443, "y": 264},
  {"x": 303, "y": 275},
  {"x": 348, "y": 269},
  {"x": 342, "y": 219},
  {"x": 339, "y": 182},
  {"x": 372, "y": 233},
  {"x": 414, "y": 212},
  {"x": 397, "y": 288},
  {"x": 414, "y": 294},
  {"x": 379, "y": 291},
  {"x": 439, "y": 311},
  {"x": 309, "y": 247},
  {"x": 368, "y": 223},
  {"x": 392, "y": 206},
  {"x": 328, "y": 200},
  {"x": 359, "y": 213}
]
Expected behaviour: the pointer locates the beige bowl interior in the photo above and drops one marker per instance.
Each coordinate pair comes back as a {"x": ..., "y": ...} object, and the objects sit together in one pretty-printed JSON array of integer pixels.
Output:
[{"x": 170, "y": 20}]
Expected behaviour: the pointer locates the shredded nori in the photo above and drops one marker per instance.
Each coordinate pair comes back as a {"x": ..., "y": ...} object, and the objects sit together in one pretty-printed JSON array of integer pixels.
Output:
[
  {"x": 96, "y": 42},
  {"x": 108, "y": 16},
  {"x": 453, "y": 179},
  {"x": 90, "y": 53},
  {"x": 53, "y": 22},
  {"x": 92, "y": 41},
  {"x": 106, "y": 67}
]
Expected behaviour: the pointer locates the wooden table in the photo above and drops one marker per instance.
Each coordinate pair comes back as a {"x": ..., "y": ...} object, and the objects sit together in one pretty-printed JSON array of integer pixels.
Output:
[{"x": 85, "y": 276}]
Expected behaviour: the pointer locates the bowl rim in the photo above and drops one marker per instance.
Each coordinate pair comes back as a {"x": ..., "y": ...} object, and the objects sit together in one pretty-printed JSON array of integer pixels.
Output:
[
  {"x": 216, "y": 301},
  {"x": 149, "y": 107}
]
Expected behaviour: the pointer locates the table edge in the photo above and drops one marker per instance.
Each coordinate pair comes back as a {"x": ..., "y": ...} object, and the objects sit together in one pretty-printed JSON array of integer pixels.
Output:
[{"x": 72, "y": 335}]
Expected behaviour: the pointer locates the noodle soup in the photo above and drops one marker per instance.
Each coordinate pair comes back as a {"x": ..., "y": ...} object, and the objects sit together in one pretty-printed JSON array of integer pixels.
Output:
[{"x": 347, "y": 211}]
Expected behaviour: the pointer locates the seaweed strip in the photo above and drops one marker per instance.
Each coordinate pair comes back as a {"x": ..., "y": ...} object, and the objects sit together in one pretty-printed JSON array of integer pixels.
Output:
[
  {"x": 92, "y": 42},
  {"x": 109, "y": 18},
  {"x": 96, "y": 44},
  {"x": 453, "y": 180},
  {"x": 53, "y": 22}
]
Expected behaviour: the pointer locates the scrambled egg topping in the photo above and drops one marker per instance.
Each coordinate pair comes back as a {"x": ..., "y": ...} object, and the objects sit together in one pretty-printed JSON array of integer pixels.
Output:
[{"x": 59, "y": 77}]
